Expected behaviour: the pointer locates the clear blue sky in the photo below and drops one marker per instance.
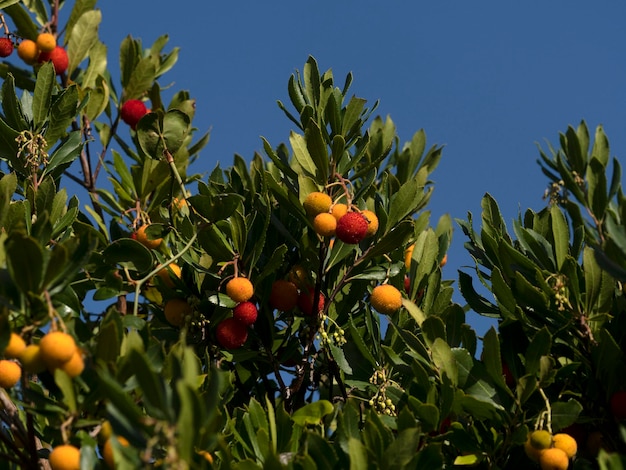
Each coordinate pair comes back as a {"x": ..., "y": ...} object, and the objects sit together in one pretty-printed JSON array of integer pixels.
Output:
[{"x": 486, "y": 79}]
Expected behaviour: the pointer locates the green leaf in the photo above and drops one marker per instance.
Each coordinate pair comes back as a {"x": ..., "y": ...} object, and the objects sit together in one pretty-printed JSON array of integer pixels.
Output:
[
  {"x": 560, "y": 234},
  {"x": 11, "y": 105},
  {"x": 64, "y": 382},
  {"x": 565, "y": 413},
  {"x": 593, "y": 278},
  {"x": 600, "y": 150},
  {"x": 25, "y": 260},
  {"x": 596, "y": 188},
  {"x": 26, "y": 28},
  {"x": 150, "y": 383},
  {"x": 318, "y": 149},
  {"x": 340, "y": 358},
  {"x": 302, "y": 156},
  {"x": 218, "y": 207},
  {"x": 444, "y": 359},
  {"x": 158, "y": 132},
  {"x": 66, "y": 153},
  {"x": 130, "y": 254},
  {"x": 312, "y": 413},
  {"x": 358, "y": 454},
  {"x": 83, "y": 36},
  {"x": 62, "y": 112},
  {"x": 42, "y": 96},
  {"x": 141, "y": 78},
  {"x": 538, "y": 347}
]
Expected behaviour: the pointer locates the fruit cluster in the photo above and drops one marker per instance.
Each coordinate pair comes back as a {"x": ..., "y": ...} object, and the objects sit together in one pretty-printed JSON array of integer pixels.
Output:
[
  {"x": 56, "y": 350},
  {"x": 232, "y": 332},
  {"x": 551, "y": 452},
  {"x": 43, "y": 49}
]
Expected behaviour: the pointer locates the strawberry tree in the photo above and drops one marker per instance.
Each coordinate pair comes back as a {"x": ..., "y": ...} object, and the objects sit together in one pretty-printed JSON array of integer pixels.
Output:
[{"x": 287, "y": 311}]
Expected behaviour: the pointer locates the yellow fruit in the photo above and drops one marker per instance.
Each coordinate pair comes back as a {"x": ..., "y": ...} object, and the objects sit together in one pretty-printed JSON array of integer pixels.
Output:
[
  {"x": 408, "y": 254},
  {"x": 75, "y": 366},
  {"x": 142, "y": 237},
  {"x": 325, "y": 224},
  {"x": 339, "y": 210},
  {"x": 28, "y": 51},
  {"x": 106, "y": 431},
  {"x": 65, "y": 457},
  {"x": 57, "y": 348},
  {"x": 316, "y": 203},
  {"x": 166, "y": 274},
  {"x": 566, "y": 443},
  {"x": 239, "y": 289},
  {"x": 536, "y": 442},
  {"x": 32, "y": 360},
  {"x": 46, "y": 42},
  {"x": 107, "y": 450},
  {"x": 15, "y": 347},
  {"x": 206, "y": 455},
  {"x": 553, "y": 459},
  {"x": 10, "y": 373},
  {"x": 176, "y": 310},
  {"x": 386, "y": 299},
  {"x": 372, "y": 221}
]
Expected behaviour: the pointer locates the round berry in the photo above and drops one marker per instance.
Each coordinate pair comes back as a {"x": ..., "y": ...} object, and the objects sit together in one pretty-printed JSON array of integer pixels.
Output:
[
  {"x": 6, "y": 47},
  {"x": 132, "y": 111},
  {"x": 325, "y": 224},
  {"x": 386, "y": 299},
  {"x": 58, "y": 57},
  {"x": 352, "y": 228},
  {"x": 231, "y": 333},
  {"x": 239, "y": 289},
  {"x": 316, "y": 203},
  {"x": 246, "y": 313},
  {"x": 46, "y": 42},
  {"x": 284, "y": 295},
  {"x": 28, "y": 51}
]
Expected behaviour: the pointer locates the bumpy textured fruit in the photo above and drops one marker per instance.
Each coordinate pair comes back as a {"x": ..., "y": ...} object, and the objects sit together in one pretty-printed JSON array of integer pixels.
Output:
[
  {"x": 57, "y": 348},
  {"x": 75, "y": 366},
  {"x": 553, "y": 459},
  {"x": 46, "y": 42},
  {"x": 386, "y": 299},
  {"x": 32, "y": 360},
  {"x": 176, "y": 310},
  {"x": 6, "y": 47},
  {"x": 339, "y": 210},
  {"x": 65, "y": 457},
  {"x": 325, "y": 224},
  {"x": 167, "y": 274},
  {"x": 10, "y": 373},
  {"x": 351, "y": 228},
  {"x": 306, "y": 299},
  {"x": 142, "y": 237},
  {"x": 132, "y": 111},
  {"x": 283, "y": 295},
  {"x": 316, "y": 203},
  {"x": 28, "y": 51},
  {"x": 617, "y": 404},
  {"x": 58, "y": 57},
  {"x": 566, "y": 443},
  {"x": 231, "y": 333},
  {"x": 246, "y": 313},
  {"x": 372, "y": 223},
  {"x": 536, "y": 442},
  {"x": 15, "y": 347},
  {"x": 239, "y": 289}
]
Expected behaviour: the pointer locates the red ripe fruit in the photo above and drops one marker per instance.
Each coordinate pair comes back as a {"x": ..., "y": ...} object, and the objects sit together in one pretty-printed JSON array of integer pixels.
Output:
[
  {"x": 132, "y": 111},
  {"x": 351, "y": 228},
  {"x": 305, "y": 302},
  {"x": 58, "y": 57},
  {"x": 231, "y": 333},
  {"x": 618, "y": 405},
  {"x": 245, "y": 312},
  {"x": 6, "y": 47}
]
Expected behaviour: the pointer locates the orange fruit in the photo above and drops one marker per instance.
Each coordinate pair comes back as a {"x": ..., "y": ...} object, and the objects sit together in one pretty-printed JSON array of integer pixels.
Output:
[
  {"x": 10, "y": 373},
  {"x": 443, "y": 261},
  {"x": 566, "y": 443},
  {"x": 325, "y": 224},
  {"x": 176, "y": 310},
  {"x": 46, "y": 42},
  {"x": 107, "y": 450},
  {"x": 142, "y": 237},
  {"x": 239, "y": 289},
  {"x": 75, "y": 366},
  {"x": 316, "y": 203},
  {"x": 65, "y": 457},
  {"x": 15, "y": 347},
  {"x": 372, "y": 220},
  {"x": 536, "y": 442},
  {"x": 386, "y": 299},
  {"x": 166, "y": 274},
  {"x": 553, "y": 459},
  {"x": 339, "y": 210},
  {"x": 57, "y": 348},
  {"x": 32, "y": 360},
  {"x": 28, "y": 51}
]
